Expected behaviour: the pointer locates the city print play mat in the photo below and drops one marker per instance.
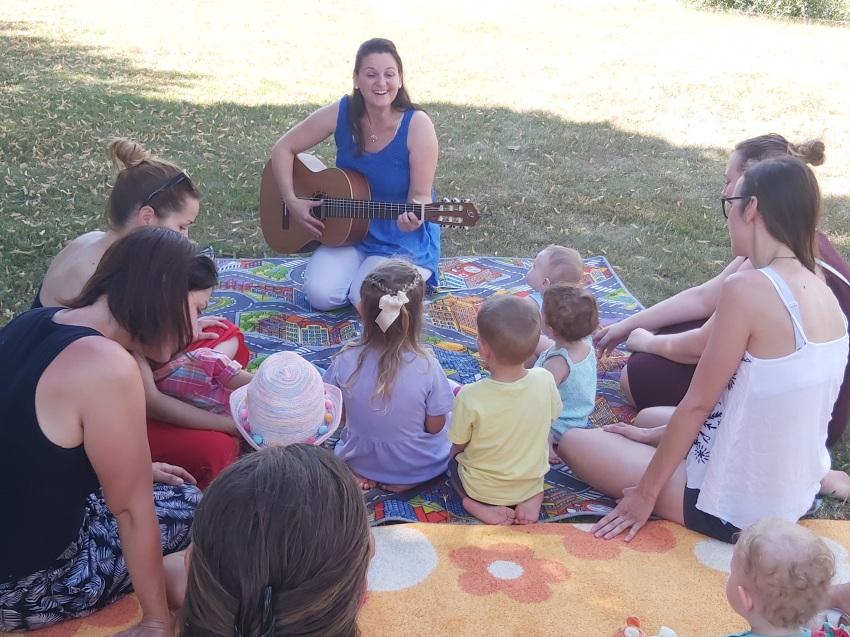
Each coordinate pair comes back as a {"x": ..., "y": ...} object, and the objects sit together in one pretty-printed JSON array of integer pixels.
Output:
[{"x": 264, "y": 297}]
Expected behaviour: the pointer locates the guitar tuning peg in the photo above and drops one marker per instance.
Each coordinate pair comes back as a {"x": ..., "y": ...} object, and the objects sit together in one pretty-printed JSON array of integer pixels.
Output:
[
  {"x": 467, "y": 201},
  {"x": 455, "y": 200},
  {"x": 446, "y": 200}
]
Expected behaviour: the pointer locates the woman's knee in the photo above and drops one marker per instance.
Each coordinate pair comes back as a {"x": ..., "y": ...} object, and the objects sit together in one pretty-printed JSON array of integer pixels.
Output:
[
  {"x": 325, "y": 295},
  {"x": 576, "y": 444}
]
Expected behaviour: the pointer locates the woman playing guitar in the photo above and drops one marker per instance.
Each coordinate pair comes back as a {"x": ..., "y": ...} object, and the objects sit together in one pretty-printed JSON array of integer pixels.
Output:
[{"x": 380, "y": 133}]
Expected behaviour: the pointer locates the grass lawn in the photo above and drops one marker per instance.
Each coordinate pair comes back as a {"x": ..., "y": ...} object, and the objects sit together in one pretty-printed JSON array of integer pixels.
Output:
[{"x": 602, "y": 125}]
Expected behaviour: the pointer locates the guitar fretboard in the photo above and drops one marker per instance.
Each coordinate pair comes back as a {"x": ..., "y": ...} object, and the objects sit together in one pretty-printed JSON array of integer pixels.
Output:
[{"x": 357, "y": 209}]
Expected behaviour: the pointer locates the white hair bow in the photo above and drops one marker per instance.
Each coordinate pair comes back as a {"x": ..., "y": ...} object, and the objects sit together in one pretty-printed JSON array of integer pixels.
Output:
[{"x": 390, "y": 309}]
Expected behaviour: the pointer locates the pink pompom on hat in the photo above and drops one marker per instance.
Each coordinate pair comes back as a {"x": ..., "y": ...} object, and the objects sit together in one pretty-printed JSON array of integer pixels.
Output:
[{"x": 285, "y": 403}]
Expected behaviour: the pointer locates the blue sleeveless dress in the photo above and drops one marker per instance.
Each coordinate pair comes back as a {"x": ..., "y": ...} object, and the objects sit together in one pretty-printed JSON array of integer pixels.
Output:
[{"x": 388, "y": 174}]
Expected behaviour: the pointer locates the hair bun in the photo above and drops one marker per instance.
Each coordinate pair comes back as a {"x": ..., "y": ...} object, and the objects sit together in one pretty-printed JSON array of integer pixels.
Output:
[
  {"x": 126, "y": 153},
  {"x": 812, "y": 152}
]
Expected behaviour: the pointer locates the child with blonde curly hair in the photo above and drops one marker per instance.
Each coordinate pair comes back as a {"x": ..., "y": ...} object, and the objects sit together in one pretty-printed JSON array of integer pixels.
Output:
[
  {"x": 396, "y": 395},
  {"x": 781, "y": 576}
]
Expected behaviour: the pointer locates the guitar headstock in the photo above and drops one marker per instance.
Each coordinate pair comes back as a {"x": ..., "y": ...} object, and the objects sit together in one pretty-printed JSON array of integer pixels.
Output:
[{"x": 452, "y": 212}]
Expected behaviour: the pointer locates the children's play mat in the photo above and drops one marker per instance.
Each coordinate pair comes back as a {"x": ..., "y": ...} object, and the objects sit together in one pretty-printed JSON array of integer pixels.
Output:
[{"x": 265, "y": 298}]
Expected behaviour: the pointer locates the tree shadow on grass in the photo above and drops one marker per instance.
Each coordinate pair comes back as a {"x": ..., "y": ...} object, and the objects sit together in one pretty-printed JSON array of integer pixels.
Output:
[{"x": 650, "y": 206}]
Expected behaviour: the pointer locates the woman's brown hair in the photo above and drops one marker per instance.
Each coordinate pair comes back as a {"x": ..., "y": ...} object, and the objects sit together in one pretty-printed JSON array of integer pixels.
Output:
[
  {"x": 789, "y": 202},
  {"x": 774, "y": 145},
  {"x": 290, "y": 520},
  {"x": 141, "y": 174},
  {"x": 402, "y": 336},
  {"x": 146, "y": 278},
  {"x": 356, "y": 104}
]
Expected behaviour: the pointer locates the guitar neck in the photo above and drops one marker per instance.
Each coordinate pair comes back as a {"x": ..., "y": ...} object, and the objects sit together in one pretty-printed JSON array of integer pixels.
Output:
[{"x": 358, "y": 209}]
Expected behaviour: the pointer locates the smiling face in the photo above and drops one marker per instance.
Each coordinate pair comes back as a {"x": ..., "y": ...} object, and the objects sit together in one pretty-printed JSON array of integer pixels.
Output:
[{"x": 378, "y": 79}]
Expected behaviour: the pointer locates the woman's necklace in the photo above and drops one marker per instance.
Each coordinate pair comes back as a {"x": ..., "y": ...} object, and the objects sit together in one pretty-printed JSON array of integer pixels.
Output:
[{"x": 374, "y": 137}]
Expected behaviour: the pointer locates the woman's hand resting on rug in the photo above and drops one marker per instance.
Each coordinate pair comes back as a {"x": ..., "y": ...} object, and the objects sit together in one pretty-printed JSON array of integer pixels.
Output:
[
  {"x": 171, "y": 474},
  {"x": 609, "y": 337},
  {"x": 632, "y": 512}
]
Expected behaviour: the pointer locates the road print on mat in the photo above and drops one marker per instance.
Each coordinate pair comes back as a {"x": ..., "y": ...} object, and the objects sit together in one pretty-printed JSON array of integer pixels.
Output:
[{"x": 265, "y": 298}]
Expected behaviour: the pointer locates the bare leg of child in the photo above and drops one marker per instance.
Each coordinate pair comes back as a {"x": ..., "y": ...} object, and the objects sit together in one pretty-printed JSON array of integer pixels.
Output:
[
  {"x": 528, "y": 512},
  {"x": 397, "y": 488},
  {"x": 487, "y": 513},
  {"x": 553, "y": 451},
  {"x": 364, "y": 483}
]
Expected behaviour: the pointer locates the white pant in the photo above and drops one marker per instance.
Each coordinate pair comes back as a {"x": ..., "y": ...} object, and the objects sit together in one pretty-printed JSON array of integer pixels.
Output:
[{"x": 334, "y": 276}]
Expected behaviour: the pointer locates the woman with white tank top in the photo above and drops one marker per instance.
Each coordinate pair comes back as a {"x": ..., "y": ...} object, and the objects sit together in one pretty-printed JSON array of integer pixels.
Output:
[{"x": 748, "y": 440}]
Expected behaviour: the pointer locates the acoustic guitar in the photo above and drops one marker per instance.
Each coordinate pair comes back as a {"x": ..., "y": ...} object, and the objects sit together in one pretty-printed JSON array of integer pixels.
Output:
[{"x": 345, "y": 210}]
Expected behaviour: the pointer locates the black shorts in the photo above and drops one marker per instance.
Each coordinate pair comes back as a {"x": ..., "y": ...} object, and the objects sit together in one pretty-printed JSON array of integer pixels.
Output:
[{"x": 705, "y": 523}]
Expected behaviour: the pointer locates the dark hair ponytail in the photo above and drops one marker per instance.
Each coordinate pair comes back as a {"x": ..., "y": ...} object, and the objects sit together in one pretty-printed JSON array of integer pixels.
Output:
[
  {"x": 356, "y": 104},
  {"x": 789, "y": 202}
]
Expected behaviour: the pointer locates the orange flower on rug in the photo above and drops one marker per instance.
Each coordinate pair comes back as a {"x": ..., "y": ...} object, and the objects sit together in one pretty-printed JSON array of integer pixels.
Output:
[
  {"x": 510, "y": 568},
  {"x": 653, "y": 538}
]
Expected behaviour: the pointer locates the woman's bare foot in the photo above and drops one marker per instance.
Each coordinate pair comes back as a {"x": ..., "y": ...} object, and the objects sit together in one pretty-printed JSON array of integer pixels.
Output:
[
  {"x": 364, "y": 483},
  {"x": 397, "y": 488},
  {"x": 836, "y": 484},
  {"x": 489, "y": 513},
  {"x": 528, "y": 512}
]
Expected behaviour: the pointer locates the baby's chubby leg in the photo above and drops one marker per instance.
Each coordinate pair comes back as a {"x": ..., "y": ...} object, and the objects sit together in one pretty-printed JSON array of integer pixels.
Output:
[{"x": 528, "y": 512}]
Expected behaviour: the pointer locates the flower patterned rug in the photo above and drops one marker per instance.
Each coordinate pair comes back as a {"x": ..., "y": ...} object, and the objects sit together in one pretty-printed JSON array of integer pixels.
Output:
[
  {"x": 554, "y": 579},
  {"x": 265, "y": 298}
]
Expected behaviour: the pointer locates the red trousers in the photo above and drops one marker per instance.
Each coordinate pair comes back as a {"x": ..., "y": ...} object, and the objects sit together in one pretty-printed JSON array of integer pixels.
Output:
[{"x": 202, "y": 453}]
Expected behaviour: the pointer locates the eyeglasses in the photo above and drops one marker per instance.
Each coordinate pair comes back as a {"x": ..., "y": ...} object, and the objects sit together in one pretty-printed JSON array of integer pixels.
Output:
[
  {"x": 182, "y": 176},
  {"x": 728, "y": 200}
]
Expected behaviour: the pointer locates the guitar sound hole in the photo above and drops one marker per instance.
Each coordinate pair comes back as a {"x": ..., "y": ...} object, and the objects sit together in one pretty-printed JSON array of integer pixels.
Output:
[{"x": 316, "y": 211}]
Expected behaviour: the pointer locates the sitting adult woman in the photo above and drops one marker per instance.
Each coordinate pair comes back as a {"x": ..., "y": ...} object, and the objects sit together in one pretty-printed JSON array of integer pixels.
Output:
[
  {"x": 662, "y": 365},
  {"x": 267, "y": 571},
  {"x": 82, "y": 522},
  {"x": 398, "y": 156},
  {"x": 753, "y": 423},
  {"x": 150, "y": 191}
]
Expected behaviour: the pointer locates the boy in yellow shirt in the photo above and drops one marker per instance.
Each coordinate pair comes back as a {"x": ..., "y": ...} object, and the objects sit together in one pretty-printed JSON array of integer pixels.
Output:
[{"x": 500, "y": 425}]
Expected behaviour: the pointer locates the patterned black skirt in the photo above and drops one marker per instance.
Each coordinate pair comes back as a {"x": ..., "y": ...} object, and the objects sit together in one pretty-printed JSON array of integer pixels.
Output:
[{"x": 91, "y": 573}]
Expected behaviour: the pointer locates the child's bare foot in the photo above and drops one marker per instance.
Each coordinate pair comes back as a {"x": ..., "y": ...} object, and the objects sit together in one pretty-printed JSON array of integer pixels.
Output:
[
  {"x": 489, "y": 513},
  {"x": 397, "y": 488},
  {"x": 364, "y": 483},
  {"x": 553, "y": 451},
  {"x": 528, "y": 512},
  {"x": 836, "y": 484}
]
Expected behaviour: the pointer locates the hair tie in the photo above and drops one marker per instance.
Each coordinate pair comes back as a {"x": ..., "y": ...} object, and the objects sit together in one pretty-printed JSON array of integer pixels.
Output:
[{"x": 390, "y": 306}]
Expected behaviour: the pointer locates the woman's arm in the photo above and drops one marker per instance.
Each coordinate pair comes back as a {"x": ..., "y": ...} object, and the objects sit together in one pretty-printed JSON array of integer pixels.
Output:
[
  {"x": 111, "y": 406},
  {"x": 689, "y": 305},
  {"x": 173, "y": 411},
  {"x": 726, "y": 347},
  {"x": 686, "y": 347},
  {"x": 422, "y": 148},
  {"x": 303, "y": 136}
]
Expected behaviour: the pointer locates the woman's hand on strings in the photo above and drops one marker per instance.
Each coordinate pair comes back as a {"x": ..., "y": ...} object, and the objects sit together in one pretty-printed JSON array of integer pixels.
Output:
[
  {"x": 408, "y": 222},
  {"x": 632, "y": 512},
  {"x": 300, "y": 209}
]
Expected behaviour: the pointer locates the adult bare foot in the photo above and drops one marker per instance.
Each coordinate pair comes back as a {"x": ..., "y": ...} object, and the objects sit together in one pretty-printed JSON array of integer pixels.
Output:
[
  {"x": 836, "y": 484},
  {"x": 528, "y": 512},
  {"x": 489, "y": 513},
  {"x": 364, "y": 483},
  {"x": 397, "y": 488}
]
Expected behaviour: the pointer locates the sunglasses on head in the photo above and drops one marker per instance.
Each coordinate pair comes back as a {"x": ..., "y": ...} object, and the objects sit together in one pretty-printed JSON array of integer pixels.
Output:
[{"x": 179, "y": 177}]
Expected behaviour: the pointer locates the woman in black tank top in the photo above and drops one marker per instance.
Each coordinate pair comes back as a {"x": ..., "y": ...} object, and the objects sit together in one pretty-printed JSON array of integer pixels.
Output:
[{"x": 82, "y": 524}]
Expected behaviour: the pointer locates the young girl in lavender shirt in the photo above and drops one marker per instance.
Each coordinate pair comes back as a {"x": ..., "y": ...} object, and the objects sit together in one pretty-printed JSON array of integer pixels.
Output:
[{"x": 397, "y": 397}]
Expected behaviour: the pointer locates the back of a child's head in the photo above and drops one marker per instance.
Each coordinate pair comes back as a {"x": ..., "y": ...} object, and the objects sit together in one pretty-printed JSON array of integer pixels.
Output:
[
  {"x": 289, "y": 518},
  {"x": 787, "y": 569},
  {"x": 399, "y": 280},
  {"x": 565, "y": 265},
  {"x": 570, "y": 311},
  {"x": 510, "y": 326}
]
